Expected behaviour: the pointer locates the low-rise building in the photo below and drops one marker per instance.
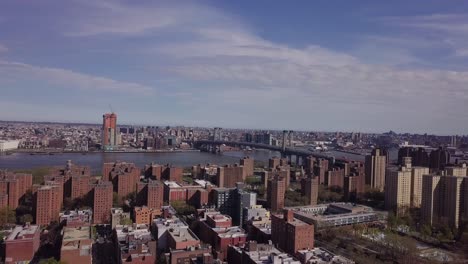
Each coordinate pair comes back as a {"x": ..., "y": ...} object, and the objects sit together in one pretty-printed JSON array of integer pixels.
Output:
[
  {"x": 135, "y": 244},
  {"x": 77, "y": 245},
  {"x": 76, "y": 218},
  {"x": 321, "y": 256},
  {"x": 119, "y": 217},
  {"x": 337, "y": 214},
  {"x": 22, "y": 244},
  {"x": 252, "y": 252}
]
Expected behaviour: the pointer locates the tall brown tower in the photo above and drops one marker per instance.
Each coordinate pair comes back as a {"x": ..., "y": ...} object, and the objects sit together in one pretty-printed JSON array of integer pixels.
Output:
[{"x": 109, "y": 131}]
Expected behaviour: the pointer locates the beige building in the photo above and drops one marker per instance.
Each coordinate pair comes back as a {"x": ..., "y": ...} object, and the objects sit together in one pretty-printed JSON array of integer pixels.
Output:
[
  {"x": 403, "y": 187},
  {"x": 457, "y": 171},
  {"x": 375, "y": 166},
  {"x": 416, "y": 185},
  {"x": 398, "y": 190},
  {"x": 444, "y": 200}
]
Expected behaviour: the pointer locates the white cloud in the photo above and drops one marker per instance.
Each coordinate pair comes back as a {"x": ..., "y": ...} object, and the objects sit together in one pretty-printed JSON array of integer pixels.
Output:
[
  {"x": 439, "y": 30},
  {"x": 220, "y": 63},
  {"x": 12, "y": 71}
]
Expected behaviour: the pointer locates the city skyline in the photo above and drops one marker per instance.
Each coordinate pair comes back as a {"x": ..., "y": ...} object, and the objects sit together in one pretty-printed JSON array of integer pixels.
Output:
[{"x": 361, "y": 66}]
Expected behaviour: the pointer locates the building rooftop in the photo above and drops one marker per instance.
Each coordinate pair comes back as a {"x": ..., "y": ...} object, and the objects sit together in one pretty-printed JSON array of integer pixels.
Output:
[
  {"x": 322, "y": 256},
  {"x": 182, "y": 234},
  {"x": 203, "y": 183},
  {"x": 172, "y": 184},
  {"x": 266, "y": 254},
  {"x": 74, "y": 238},
  {"x": 26, "y": 232},
  {"x": 233, "y": 231},
  {"x": 139, "y": 231},
  {"x": 218, "y": 217}
]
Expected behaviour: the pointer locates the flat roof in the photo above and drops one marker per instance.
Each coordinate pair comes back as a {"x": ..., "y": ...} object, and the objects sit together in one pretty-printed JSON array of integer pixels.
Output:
[
  {"x": 172, "y": 184},
  {"x": 182, "y": 235},
  {"x": 78, "y": 233},
  {"x": 23, "y": 233}
]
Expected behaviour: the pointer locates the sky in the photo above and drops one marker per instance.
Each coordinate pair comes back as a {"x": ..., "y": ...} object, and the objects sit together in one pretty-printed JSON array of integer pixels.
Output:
[{"x": 325, "y": 65}]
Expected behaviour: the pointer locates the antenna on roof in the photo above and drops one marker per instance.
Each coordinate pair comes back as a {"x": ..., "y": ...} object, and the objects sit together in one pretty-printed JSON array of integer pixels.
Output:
[{"x": 112, "y": 110}]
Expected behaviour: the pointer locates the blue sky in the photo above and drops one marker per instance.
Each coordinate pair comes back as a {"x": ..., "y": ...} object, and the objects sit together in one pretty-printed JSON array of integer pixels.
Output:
[{"x": 369, "y": 66}]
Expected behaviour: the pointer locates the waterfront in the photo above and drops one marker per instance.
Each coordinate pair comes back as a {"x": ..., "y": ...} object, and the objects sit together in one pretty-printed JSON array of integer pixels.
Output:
[{"x": 96, "y": 159}]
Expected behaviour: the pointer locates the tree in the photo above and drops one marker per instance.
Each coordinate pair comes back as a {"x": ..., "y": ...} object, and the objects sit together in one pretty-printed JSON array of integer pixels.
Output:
[
  {"x": 116, "y": 201},
  {"x": 51, "y": 261},
  {"x": 7, "y": 216},
  {"x": 253, "y": 180},
  {"x": 27, "y": 218},
  {"x": 183, "y": 208},
  {"x": 426, "y": 231},
  {"x": 126, "y": 221}
]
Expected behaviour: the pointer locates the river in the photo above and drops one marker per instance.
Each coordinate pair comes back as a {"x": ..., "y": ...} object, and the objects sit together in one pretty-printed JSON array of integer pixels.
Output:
[
  {"x": 183, "y": 159},
  {"x": 96, "y": 159}
]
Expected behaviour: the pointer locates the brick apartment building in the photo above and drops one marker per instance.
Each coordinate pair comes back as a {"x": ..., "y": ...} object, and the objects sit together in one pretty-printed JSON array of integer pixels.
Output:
[
  {"x": 102, "y": 195},
  {"x": 22, "y": 244},
  {"x": 290, "y": 234},
  {"x": 124, "y": 177},
  {"x": 150, "y": 193},
  {"x": 14, "y": 185},
  {"x": 309, "y": 189},
  {"x": 275, "y": 193},
  {"x": 217, "y": 230},
  {"x": 48, "y": 203}
]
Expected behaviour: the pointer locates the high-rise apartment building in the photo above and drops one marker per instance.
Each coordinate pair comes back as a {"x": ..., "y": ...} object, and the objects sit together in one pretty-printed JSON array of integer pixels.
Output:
[
  {"x": 444, "y": 200},
  {"x": 417, "y": 174},
  {"x": 14, "y": 185},
  {"x": 248, "y": 164},
  {"x": 403, "y": 187},
  {"x": 320, "y": 169},
  {"x": 48, "y": 204},
  {"x": 229, "y": 175},
  {"x": 375, "y": 166},
  {"x": 102, "y": 202},
  {"x": 309, "y": 189},
  {"x": 109, "y": 131},
  {"x": 275, "y": 193},
  {"x": 155, "y": 195},
  {"x": 124, "y": 177},
  {"x": 398, "y": 190}
]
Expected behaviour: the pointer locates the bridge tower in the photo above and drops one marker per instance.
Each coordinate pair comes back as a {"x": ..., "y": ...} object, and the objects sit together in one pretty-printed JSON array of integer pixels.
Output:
[{"x": 283, "y": 145}]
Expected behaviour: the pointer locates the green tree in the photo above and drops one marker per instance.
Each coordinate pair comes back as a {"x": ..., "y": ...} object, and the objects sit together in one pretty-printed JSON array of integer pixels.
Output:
[
  {"x": 183, "y": 208},
  {"x": 116, "y": 201},
  {"x": 126, "y": 221},
  {"x": 426, "y": 231},
  {"x": 51, "y": 261},
  {"x": 27, "y": 218},
  {"x": 7, "y": 217},
  {"x": 253, "y": 180}
]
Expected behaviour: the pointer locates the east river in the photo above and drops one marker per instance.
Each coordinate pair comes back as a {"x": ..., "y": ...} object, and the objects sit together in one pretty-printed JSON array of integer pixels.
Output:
[{"x": 96, "y": 159}]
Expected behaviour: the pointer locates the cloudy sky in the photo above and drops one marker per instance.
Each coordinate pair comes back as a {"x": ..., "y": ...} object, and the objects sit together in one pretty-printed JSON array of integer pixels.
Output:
[{"x": 370, "y": 66}]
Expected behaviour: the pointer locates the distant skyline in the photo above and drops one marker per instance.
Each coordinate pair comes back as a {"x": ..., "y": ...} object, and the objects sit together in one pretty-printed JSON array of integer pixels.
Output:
[{"x": 364, "y": 66}]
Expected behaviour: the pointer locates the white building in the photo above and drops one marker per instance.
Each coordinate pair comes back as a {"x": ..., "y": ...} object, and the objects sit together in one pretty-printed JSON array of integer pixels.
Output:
[{"x": 6, "y": 145}]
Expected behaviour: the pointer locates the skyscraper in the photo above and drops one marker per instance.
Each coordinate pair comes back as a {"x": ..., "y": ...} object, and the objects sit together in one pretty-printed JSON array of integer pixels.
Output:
[
  {"x": 375, "y": 169},
  {"x": 109, "y": 131}
]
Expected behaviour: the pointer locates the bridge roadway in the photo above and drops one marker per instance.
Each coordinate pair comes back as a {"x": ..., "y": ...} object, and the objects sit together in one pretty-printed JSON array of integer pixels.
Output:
[{"x": 287, "y": 152}]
